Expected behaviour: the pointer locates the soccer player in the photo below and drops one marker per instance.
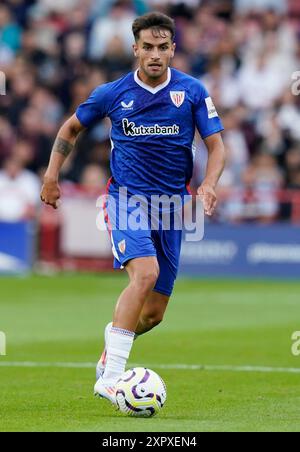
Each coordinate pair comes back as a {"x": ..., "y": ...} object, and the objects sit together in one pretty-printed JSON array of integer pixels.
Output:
[{"x": 154, "y": 112}]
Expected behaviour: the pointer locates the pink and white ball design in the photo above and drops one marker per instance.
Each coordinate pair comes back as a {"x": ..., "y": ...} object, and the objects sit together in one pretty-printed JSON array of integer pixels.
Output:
[{"x": 140, "y": 392}]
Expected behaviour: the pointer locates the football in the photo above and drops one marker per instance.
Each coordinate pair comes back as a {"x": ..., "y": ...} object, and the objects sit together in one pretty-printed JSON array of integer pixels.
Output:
[{"x": 140, "y": 392}]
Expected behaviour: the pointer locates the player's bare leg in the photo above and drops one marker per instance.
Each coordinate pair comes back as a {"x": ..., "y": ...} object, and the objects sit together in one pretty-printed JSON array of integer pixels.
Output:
[
  {"x": 152, "y": 313},
  {"x": 143, "y": 273}
]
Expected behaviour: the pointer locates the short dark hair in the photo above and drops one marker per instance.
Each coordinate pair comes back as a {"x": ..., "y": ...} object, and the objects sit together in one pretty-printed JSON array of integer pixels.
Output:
[{"x": 158, "y": 22}]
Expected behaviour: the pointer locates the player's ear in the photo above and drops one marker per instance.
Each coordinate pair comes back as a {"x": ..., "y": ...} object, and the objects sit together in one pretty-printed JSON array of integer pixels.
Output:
[
  {"x": 135, "y": 50},
  {"x": 173, "y": 49}
]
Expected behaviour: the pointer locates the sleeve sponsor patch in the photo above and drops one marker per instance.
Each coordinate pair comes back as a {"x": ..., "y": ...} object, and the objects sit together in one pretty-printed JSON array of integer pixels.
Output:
[{"x": 211, "y": 109}]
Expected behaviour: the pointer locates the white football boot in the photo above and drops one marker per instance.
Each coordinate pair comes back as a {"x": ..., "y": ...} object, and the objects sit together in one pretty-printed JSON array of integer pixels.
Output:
[{"x": 105, "y": 390}]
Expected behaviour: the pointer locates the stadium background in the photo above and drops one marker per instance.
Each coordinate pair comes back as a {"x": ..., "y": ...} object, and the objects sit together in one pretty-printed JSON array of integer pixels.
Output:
[{"x": 53, "y": 53}]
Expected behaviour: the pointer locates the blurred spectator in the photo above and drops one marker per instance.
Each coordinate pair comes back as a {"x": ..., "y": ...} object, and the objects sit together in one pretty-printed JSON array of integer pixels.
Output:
[
  {"x": 222, "y": 85},
  {"x": 21, "y": 88},
  {"x": 288, "y": 116},
  {"x": 116, "y": 61},
  {"x": 244, "y": 6},
  {"x": 101, "y": 8},
  {"x": 259, "y": 84},
  {"x": 23, "y": 152},
  {"x": 117, "y": 23},
  {"x": 51, "y": 116},
  {"x": 31, "y": 130},
  {"x": 265, "y": 180},
  {"x": 7, "y": 138},
  {"x": 293, "y": 168},
  {"x": 10, "y": 32},
  {"x": 258, "y": 198},
  {"x": 19, "y": 192},
  {"x": 236, "y": 146},
  {"x": 93, "y": 179},
  {"x": 55, "y": 52}
]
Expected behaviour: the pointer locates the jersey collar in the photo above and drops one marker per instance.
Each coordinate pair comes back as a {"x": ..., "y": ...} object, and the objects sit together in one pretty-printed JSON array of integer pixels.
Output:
[{"x": 149, "y": 88}]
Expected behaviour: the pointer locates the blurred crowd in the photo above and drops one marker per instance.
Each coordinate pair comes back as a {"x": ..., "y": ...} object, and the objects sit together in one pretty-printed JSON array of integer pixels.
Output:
[{"x": 54, "y": 52}]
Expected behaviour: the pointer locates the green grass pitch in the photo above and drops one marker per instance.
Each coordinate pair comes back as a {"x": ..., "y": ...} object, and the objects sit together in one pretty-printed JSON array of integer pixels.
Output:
[{"x": 233, "y": 327}]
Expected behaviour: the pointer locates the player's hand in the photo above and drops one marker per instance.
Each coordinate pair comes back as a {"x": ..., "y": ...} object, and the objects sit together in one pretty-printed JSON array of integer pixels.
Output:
[
  {"x": 208, "y": 197},
  {"x": 50, "y": 193}
]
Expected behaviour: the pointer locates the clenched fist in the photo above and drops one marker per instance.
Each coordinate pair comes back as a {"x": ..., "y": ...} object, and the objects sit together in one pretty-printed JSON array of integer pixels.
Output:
[{"x": 50, "y": 193}]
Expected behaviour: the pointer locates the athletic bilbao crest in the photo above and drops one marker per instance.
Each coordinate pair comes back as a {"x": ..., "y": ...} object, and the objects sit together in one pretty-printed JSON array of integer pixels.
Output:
[
  {"x": 122, "y": 246},
  {"x": 177, "y": 97}
]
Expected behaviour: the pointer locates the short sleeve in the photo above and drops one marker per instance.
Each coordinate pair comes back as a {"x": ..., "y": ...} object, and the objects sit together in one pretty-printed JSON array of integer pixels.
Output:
[
  {"x": 95, "y": 107},
  {"x": 206, "y": 115}
]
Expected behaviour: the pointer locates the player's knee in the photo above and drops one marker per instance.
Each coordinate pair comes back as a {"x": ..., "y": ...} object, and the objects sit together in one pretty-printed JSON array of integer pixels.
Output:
[{"x": 146, "y": 279}]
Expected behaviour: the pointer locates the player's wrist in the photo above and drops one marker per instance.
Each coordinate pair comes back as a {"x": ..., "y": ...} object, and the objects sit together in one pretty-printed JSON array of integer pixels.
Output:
[
  {"x": 50, "y": 178},
  {"x": 209, "y": 183}
]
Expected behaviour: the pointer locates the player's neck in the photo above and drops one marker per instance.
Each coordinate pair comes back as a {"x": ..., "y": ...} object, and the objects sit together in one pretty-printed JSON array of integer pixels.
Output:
[{"x": 153, "y": 83}]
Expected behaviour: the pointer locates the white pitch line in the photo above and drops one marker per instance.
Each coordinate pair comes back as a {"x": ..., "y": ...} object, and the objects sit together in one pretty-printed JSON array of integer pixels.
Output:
[{"x": 215, "y": 368}]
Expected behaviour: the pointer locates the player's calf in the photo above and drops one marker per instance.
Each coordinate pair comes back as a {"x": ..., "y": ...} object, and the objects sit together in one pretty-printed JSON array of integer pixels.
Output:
[
  {"x": 148, "y": 323},
  {"x": 153, "y": 312}
]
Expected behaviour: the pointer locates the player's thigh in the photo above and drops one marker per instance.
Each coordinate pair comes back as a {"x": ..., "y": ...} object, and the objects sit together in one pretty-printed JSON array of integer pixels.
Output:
[
  {"x": 142, "y": 267},
  {"x": 133, "y": 250}
]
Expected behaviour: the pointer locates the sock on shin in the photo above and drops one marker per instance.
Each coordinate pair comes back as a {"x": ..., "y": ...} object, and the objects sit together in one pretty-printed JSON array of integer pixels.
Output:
[{"x": 118, "y": 350}]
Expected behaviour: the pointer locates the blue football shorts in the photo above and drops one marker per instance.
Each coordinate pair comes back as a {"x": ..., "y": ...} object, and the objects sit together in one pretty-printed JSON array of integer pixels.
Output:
[{"x": 130, "y": 243}]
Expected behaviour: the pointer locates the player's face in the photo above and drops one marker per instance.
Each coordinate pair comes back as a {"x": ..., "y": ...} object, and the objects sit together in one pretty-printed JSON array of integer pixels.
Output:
[{"x": 154, "y": 52}]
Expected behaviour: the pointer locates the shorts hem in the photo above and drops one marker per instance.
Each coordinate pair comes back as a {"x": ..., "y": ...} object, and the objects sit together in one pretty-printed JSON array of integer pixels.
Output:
[
  {"x": 135, "y": 256},
  {"x": 163, "y": 291}
]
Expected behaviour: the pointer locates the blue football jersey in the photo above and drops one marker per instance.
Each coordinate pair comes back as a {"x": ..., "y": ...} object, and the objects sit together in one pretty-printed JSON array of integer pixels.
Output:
[{"x": 152, "y": 129}]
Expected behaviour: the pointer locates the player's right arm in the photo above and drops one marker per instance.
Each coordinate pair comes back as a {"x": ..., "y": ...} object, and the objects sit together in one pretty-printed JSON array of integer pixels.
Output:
[
  {"x": 63, "y": 146},
  {"x": 89, "y": 112}
]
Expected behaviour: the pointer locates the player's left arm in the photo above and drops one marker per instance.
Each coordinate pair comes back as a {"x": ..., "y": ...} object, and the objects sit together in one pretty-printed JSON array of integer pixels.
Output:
[{"x": 215, "y": 166}]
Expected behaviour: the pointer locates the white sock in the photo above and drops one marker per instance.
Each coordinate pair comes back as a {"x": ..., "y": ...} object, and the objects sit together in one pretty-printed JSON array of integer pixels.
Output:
[
  {"x": 119, "y": 346},
  {"x": 107, "y": 332}
]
